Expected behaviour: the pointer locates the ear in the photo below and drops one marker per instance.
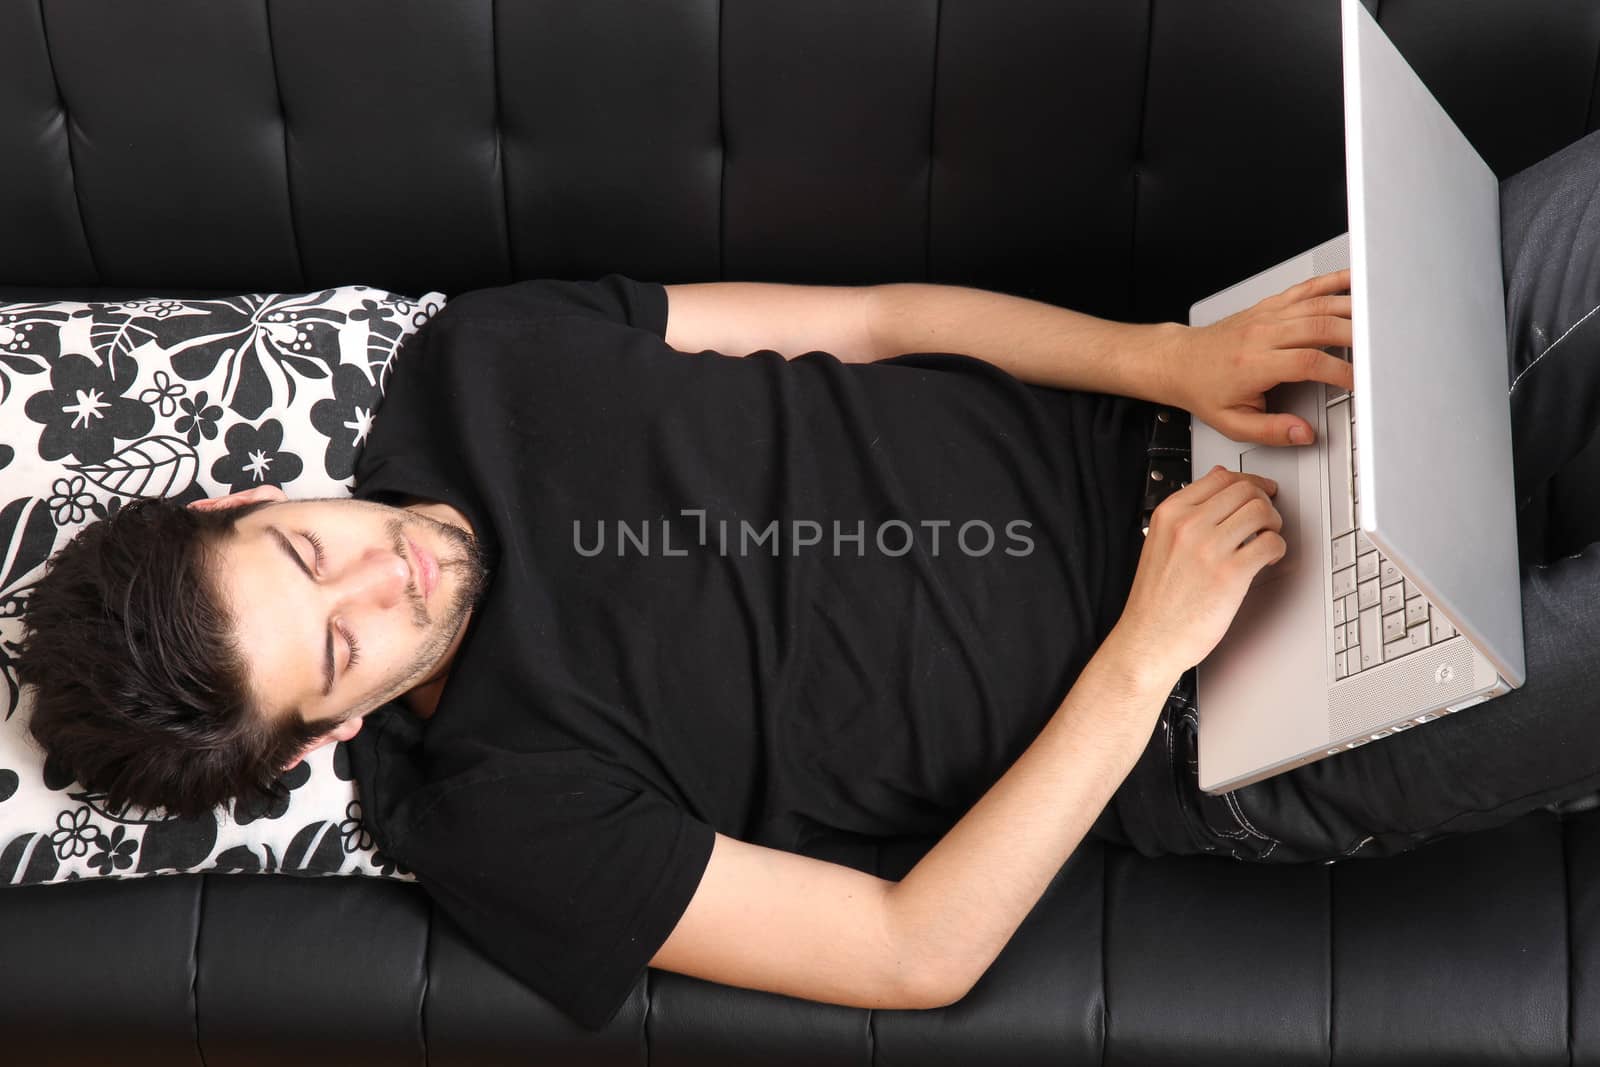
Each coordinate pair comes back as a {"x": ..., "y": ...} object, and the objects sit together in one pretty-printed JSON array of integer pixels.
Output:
[
  {"x": 247, "y": 496},
  {"x": 343, "y": 732}
]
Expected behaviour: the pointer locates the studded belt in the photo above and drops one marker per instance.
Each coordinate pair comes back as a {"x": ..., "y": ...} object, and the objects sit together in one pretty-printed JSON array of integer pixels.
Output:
[{"x": 1168, "y": 469}]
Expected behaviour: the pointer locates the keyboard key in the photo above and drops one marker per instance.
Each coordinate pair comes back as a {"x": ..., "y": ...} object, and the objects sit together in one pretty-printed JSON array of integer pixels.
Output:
[
  {"x": 1392, "y": 600},
  {"x": 1366, "y": 566},
  {"x": 1368, "y": 592},
  {"x": 1338, "y": 638},
  {"x": 1335, "y": 392},
  {"x": 1394, "y": 626},
  {"x": 1352, "y": 634},
  {"x": 1417, "y": 636},
  {"x": 1340, "y": 503},
  {"x": 1389, "y": 574},
  {"x": 1351, "y": 608},
  {"x": 1363, "y": 546},
  {"x": 1411, "y": 589},
  {"x": 1371, "y": 638},
  {"x": 1396, "y": 649},
  {"x": 1338, "y": 612},
  {"x": 1442, "y": 630},
  {"x": 1344, "y": 551},
  {"x": 1344, "y": 582},
  {"x": 1416, "y": 610}
]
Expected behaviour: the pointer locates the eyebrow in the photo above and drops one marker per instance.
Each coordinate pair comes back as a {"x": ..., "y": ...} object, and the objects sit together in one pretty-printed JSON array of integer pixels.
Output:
[{"x": 288, "y": 550}]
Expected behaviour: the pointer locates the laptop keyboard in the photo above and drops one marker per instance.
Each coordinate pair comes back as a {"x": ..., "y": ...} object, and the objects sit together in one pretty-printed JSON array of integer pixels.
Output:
[{"x": 1378, "y": 615}]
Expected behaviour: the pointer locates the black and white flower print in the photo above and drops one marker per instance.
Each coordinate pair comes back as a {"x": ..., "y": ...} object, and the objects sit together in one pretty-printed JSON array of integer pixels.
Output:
[
  {"x": 28, "y": 534},
  {"x": 158, "y": 466},
  {"x": 247, "y": 810},
  {"x": 103, "y": 403},
  {"x": 115, "y": 851},
  {"x": 199, "y": 418},
  {"x": 264, "y": 345},
  {"x": 165, "y": 394},
  {"x": 73, "y": 833},
  {"x": 386, "y": 865},
  {"x": 256, "y": 457},
  {"x": 353, "y": 830},
  {"x": 158, "y": 309},
  {"x": 84, "y": 411},
  {"x": 346, "y": 418},
  {"x": 29, "y": 340},
  {"x": 70, "y": 504}
]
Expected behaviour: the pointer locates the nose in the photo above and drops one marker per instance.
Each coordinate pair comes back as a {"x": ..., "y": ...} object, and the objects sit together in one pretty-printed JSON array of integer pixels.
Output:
[{"x": 377, "y": 579}]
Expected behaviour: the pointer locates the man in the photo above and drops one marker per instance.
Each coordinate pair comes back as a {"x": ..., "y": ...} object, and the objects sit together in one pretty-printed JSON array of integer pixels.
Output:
[{"x": 617, "y": 621}]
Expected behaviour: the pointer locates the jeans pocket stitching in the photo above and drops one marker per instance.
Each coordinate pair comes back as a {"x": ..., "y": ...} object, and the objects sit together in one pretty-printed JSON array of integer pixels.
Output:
[
  {"x": 1191, "y": 721},
  {"x": 1238, "y": 812}
]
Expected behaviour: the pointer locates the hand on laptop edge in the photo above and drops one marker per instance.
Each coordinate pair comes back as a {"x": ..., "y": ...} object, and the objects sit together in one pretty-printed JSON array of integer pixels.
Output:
[{"x": 1223, "y": 370}]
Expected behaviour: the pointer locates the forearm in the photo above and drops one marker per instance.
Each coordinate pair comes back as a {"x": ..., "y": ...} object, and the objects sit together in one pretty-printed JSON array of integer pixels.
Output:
[
  {"x": 1035, "y": 342},
  {"x": 960, "y": 905}
]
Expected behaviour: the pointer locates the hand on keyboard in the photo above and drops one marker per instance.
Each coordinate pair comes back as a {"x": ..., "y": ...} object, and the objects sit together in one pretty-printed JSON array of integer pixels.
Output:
[
  {"x": 1206, "y": 542},
  {"x": 1221, "y": 373}
]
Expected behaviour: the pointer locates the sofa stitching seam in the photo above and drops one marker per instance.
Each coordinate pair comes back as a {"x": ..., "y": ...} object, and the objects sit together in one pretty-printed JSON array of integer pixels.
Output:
[
  {"x": 283, "y": 123},
  {"x": 66, "y": 132}
]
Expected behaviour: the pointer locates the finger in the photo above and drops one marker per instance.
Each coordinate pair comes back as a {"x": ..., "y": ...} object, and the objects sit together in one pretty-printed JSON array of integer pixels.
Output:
[
  {"x": 1321, "y": 285},
  {"x": 1313, "y": 331},
  {"x": 1337, "y": 304},
  {"x": 1247, "y": 520},
  {"x": 1219, "y": 478},
  {"x": 1311, "y": 365},
  {"x": 1275, "y": 429},
  {"x": 1265, "y": 550},
  {"x": 1223, "y": 505},
  {"x": 1333, "y": 282}
]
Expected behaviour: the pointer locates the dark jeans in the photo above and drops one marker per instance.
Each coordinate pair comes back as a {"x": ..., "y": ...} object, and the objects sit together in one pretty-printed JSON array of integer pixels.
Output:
[{"x": 1533, "y": 747}]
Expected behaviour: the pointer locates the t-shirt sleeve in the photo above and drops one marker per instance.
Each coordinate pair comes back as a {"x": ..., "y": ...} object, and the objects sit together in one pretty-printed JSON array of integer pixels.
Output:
[
  {"x": 569, "y": 883},
  {"x": 612, "y": 298}
]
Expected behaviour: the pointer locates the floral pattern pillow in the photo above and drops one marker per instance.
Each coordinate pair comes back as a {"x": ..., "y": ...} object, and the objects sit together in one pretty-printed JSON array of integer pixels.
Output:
[{"x": 103, "y": 403}]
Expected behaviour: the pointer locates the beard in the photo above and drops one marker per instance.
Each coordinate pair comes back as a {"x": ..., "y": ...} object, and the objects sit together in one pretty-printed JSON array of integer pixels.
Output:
[
  {"x": 461, "y": 559},
  {"x": 466, "y": 563}
]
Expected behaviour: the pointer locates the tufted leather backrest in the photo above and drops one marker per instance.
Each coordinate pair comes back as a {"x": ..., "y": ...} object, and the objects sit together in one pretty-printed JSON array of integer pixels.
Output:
[{"x": 1122, "y": 158}]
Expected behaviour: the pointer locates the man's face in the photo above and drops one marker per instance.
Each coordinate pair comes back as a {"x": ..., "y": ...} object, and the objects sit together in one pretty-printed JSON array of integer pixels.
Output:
[{"x": 342, "y": 605}]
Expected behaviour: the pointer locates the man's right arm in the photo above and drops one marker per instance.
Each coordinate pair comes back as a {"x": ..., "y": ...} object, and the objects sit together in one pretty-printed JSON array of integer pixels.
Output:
[
  {"x": 766, "y": 919},
  {"x": 959, "y": 906}
]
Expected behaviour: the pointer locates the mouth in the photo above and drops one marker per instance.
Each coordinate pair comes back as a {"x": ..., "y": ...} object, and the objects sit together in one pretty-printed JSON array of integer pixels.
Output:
[{"x": 424, "y": 569}]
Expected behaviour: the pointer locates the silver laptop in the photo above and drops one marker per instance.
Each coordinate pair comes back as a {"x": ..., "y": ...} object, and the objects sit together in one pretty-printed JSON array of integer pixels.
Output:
[{"x": 1399, "y": 599}]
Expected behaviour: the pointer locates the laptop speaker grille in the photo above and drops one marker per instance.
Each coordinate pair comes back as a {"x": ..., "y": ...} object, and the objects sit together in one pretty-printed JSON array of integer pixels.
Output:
[
  {"x": 1331, "y": 256},
  {"x": 1410, "y": 686}
]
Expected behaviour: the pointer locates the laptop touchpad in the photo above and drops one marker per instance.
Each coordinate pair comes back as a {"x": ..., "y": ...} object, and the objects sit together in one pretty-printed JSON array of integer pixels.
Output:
[{"x": 1282, "y": 465}]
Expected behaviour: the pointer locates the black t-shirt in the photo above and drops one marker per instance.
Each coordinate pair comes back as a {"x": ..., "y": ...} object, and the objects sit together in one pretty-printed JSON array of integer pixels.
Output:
[{"x": 638, "y": 678}]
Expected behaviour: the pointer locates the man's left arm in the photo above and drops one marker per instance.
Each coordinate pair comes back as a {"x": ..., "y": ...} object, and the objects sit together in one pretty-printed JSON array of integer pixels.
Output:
[
  {"x": 1032, "y": 341},
  {"x": 1037, "y": 343},
  {"x": 1220, "y": 372}
]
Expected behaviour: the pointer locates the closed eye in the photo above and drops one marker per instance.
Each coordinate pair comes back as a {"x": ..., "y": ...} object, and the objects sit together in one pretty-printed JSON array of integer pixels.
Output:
[
  {"x": 355, "y": 647},
  {"x": 282, "y": 541},
  {"x": 319, "y": 558},
  {"x": 316, "y": 548}
]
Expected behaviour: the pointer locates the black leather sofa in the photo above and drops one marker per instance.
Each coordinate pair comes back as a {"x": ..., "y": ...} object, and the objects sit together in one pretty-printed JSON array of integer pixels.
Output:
[{"x": 1120, "y": 157}]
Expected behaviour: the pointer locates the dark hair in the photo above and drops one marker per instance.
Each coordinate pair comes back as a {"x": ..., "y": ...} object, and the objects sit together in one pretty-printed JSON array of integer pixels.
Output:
[{"x": 142, "y": 689}]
